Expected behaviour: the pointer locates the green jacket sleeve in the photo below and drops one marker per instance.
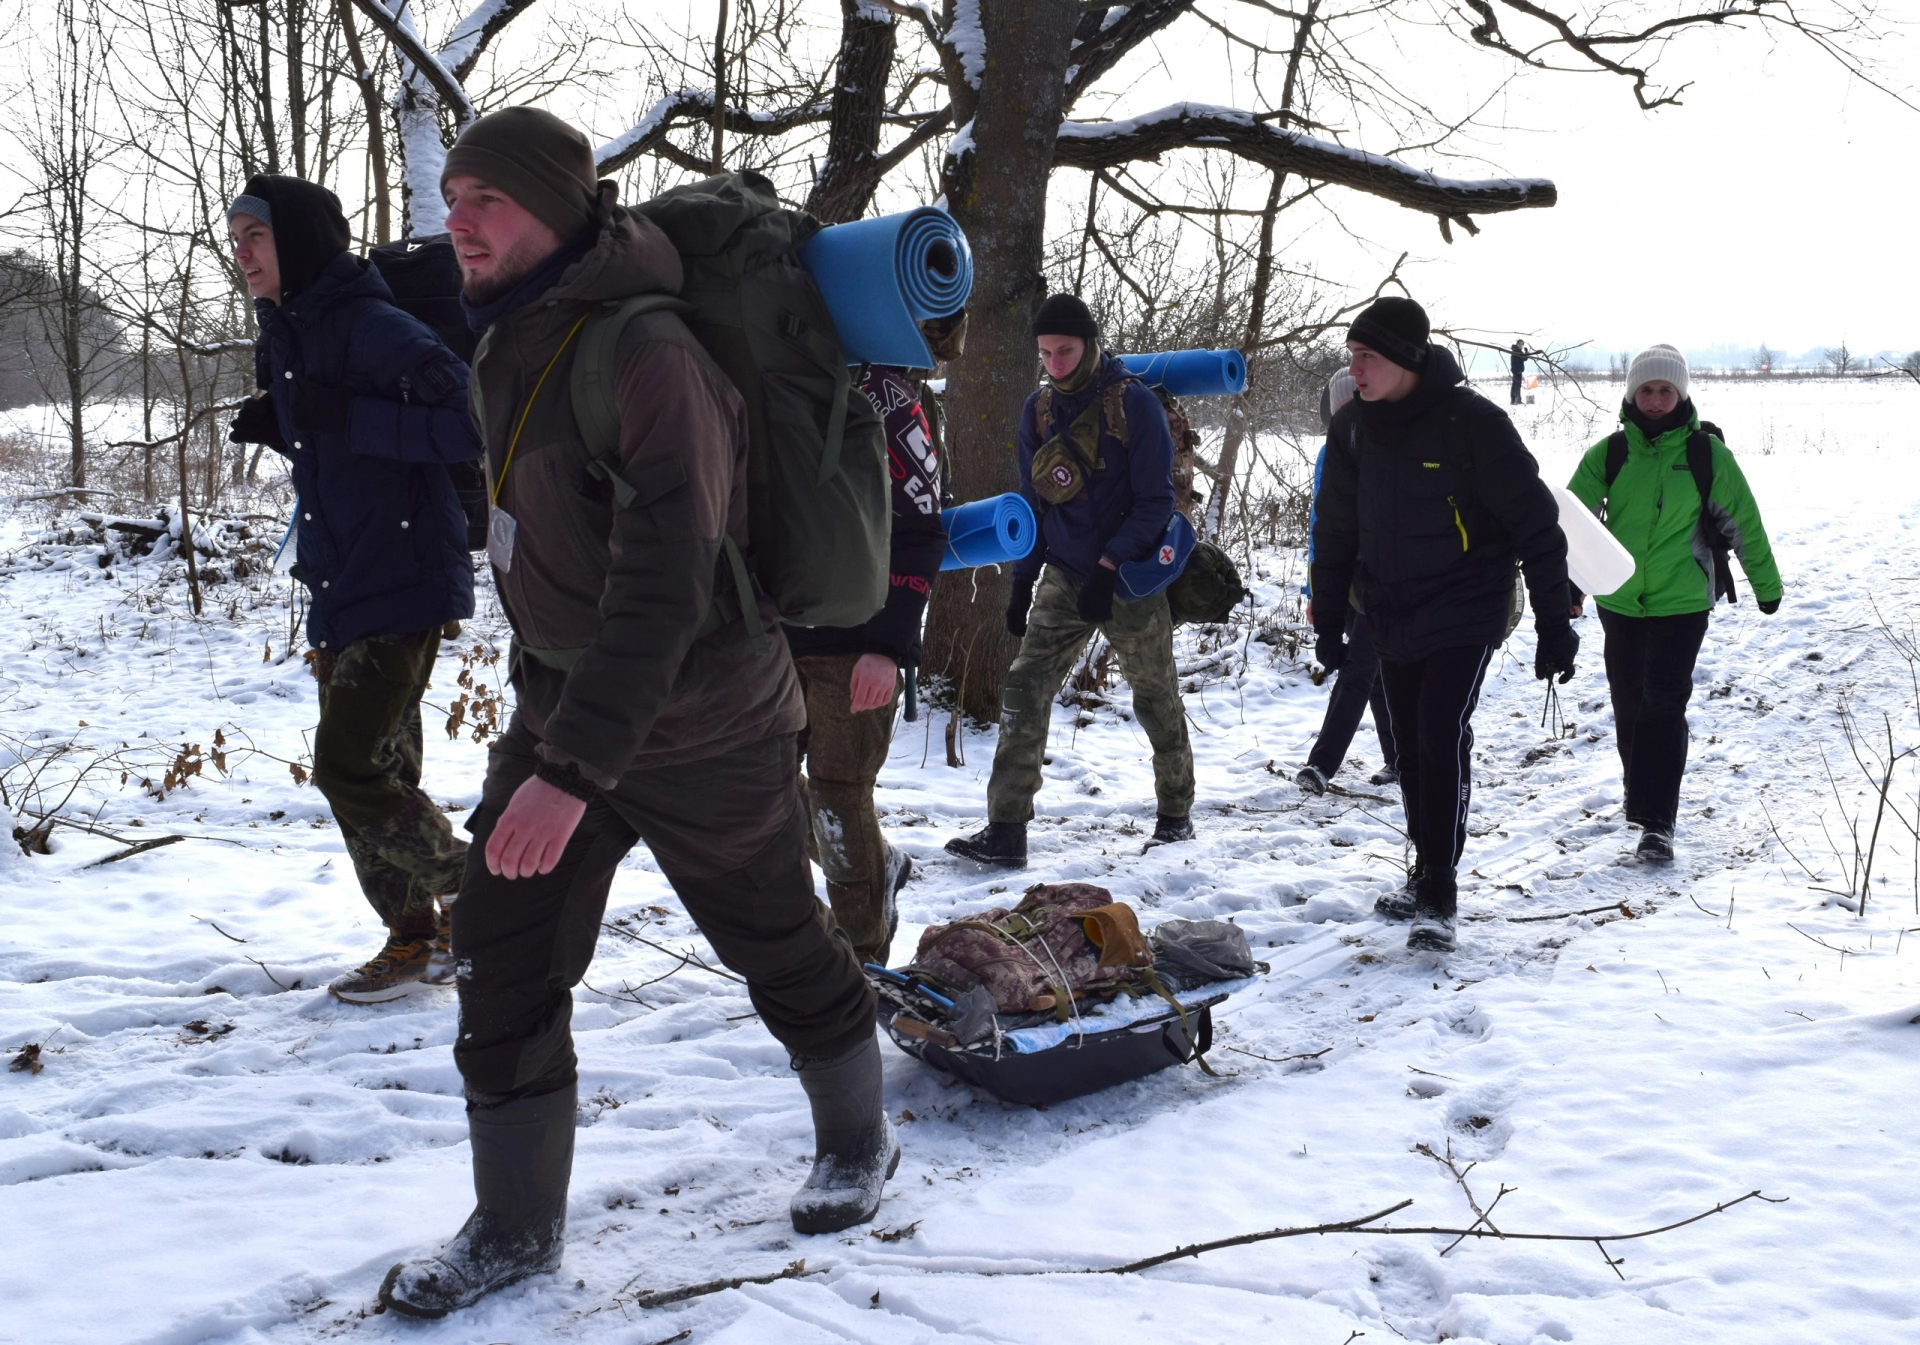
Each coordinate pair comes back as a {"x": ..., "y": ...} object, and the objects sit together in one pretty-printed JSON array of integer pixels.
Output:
[
  {"x": 1590, "y": 477},
  {"x": 1733, "y": 502}
]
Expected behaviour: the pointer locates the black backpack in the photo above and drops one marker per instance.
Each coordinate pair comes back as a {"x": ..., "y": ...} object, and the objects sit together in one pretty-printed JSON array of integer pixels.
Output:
[
  {"x": 425, "y": 280},
  {"x": 1711, "y": 531}
]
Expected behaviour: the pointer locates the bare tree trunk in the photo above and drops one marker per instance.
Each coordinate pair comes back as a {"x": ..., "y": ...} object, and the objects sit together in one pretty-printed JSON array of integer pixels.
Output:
[
  {"x": 376, "y": 125},
  {"x": 720, "y": 90},
  {"x": 1229, "y": 463},
  {"x": 847, "y": 179},
  {"x": 297, "y": 84},
  {"x": 997, "y": 190},
  {"x": 269, "y": 133}
]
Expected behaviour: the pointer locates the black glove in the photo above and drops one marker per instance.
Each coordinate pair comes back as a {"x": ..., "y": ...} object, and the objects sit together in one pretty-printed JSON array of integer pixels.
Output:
[
  {"x": 1330, "y": 649},
  {"x": 1096, "y": 595},
  {"x": 1019, "y": 602},
  {"x": 256, "y": 423},
  {"x": 1769, "y": 606},
  {"x": 322, "y": 408},
  {"x": 1555, "y": 649}
]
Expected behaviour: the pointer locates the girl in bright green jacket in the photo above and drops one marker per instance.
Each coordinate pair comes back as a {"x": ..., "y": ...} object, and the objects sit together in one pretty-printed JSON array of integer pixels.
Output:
[{"x": 1645, "y": 482}]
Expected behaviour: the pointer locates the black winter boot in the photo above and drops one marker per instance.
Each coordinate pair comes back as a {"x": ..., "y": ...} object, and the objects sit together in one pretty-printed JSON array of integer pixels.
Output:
[
  {"x": 1168, "y": 830},
  {"x": 1436, "y": 902},
  {"x": 1399, "y": 904},
  {"x": 854, "y": 1147},
  {"x": 1656, "y": 845},
  {"x": 522, "y": 1158},
  {"x": 1003, "y": 844}
]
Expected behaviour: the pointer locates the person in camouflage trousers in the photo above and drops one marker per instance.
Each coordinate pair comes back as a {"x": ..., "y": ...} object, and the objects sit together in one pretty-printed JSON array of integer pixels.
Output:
[
  {"x": 1141, "y": 634},
  {"x": 368, "y": 406},
  {"x": 1096, "y": 463},
  {"x": 367, "y": 757}
]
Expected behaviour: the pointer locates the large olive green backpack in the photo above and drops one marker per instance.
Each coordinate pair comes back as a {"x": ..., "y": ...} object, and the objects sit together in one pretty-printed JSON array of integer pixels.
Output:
[{"x": 819, "y": 520}]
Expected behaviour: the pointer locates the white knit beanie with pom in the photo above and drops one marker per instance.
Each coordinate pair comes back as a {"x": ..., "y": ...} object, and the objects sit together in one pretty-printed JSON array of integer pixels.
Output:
[{"x": 1657, "y": 363}]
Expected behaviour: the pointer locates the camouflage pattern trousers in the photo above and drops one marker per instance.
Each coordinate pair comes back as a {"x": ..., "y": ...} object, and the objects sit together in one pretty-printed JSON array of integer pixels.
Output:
[
  {"x": 1141, "y": 634},
  {"x": 366, "y": 761},
  {"x": 842, "y": 753}
]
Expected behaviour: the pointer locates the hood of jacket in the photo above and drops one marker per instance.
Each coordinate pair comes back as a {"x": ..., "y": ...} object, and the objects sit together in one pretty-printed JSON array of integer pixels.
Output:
[{"x": 630, "y": 256}]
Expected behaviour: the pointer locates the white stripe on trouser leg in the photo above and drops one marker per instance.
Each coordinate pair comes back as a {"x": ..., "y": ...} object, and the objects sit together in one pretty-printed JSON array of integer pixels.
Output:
[{"x": 1462, "y": 744}]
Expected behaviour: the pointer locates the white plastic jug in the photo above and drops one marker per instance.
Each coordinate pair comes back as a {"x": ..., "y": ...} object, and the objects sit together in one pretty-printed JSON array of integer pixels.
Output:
[{"x": 1596, "y": 561}]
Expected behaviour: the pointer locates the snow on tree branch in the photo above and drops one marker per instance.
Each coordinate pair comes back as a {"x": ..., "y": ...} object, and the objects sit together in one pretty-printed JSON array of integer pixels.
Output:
[
  {"x": 398, "y": 28},
  {"x": 647, "y": 135},
  {"x": 1106, "y": 144},
  {"x": 462, "y": 51}
]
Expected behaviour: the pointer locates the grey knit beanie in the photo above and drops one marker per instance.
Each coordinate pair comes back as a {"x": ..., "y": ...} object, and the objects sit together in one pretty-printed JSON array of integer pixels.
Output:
[{"x": 1654, "y": 364}]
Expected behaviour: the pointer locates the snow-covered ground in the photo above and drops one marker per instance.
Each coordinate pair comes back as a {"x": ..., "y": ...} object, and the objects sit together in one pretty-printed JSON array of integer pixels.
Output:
[{"x": 214, "y": 1150}]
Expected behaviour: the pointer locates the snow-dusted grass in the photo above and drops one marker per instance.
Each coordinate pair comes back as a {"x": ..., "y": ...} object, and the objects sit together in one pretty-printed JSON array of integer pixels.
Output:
[{"x": 162, "y": 1181}]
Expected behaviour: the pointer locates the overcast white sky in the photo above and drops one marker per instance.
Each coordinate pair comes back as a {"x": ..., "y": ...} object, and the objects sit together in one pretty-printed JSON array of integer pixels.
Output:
[{"x": 1776, "y": 205}]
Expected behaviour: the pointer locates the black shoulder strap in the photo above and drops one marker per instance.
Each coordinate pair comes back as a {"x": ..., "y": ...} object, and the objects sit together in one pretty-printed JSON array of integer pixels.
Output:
[
  {"x": 1616, "y": 454},
  {"x": 1700, "y": 463}
]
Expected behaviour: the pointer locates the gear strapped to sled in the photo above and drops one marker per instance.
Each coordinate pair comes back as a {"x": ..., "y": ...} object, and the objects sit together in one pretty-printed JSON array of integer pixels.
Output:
[{"x": 1061, "y": 995}]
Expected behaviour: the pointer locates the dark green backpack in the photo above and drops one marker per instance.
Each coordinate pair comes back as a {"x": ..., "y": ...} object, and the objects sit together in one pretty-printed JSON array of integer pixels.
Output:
[
  {"x": 1208, "y": 589},
  {"x": 820, "y": 517}
]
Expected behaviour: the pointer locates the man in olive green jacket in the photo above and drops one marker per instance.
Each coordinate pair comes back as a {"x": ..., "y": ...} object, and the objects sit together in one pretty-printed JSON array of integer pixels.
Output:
[
  {"x": 637, "y": 717},
  {"x": 1657, "y": 619}
]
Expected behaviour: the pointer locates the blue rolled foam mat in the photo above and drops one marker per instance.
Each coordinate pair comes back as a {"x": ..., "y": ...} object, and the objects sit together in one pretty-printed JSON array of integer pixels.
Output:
[
  {"x": 988, "y": 532},
  {"x": 881, "y": 276},
  {"x": 1191, "y": 373},
  {"x": 1144, "y": 578}
]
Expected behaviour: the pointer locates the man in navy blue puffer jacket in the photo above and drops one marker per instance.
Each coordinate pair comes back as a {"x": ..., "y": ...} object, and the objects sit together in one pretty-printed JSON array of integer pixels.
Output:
[
  {"x": 368, "y": 406},
  {"x": 1096, "y": 462}
]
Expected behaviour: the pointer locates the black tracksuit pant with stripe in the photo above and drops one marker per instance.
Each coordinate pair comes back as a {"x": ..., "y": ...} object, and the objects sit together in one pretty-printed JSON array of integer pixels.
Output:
[{"x": 1430, "y": 707}]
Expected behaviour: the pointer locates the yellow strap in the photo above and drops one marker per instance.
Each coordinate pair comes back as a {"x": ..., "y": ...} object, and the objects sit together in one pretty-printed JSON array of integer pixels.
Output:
[
  {"x": 1464, "y": 544},
  {"x": 527, "y": 410}
]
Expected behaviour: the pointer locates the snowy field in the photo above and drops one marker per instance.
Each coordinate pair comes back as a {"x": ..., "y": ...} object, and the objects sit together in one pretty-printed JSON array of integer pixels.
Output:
[{"x": 213, "y": 1150}]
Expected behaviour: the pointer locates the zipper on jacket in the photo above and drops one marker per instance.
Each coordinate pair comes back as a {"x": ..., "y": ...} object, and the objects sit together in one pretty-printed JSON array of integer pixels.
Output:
[{"x": 1465, "y": 545}]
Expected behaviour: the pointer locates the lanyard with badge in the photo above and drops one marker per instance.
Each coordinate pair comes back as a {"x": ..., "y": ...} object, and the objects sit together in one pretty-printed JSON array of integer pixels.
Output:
[{"x": 501, "y": 525}]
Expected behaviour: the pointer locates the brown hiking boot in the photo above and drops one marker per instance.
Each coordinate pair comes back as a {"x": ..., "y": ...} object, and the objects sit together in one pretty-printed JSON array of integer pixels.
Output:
[
  {"x": 399, "y": 969},
  {"x": 440, "y": 961}
]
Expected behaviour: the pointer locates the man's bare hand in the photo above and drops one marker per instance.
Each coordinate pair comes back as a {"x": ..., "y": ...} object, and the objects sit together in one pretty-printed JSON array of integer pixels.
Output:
[
  {"x": 872, "y": 683},
  {"x": 534, "y": 830}
]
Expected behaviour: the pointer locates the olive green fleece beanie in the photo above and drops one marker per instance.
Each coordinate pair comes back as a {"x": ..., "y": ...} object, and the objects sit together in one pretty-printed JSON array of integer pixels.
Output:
[{"x": 535, "y": 158}]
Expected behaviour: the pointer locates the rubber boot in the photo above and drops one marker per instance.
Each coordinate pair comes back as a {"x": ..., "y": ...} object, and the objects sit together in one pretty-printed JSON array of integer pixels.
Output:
[
  {"x": 522, "y": 1158},
  {"x": 854, "y": 1147},
  {"x": 1003, "y": 844},
  {"x": 1436, "y": 903}
]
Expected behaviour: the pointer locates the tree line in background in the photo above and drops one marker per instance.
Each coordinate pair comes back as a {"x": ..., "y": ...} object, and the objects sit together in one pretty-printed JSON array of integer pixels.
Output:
[{"x": 143, "y": 118}]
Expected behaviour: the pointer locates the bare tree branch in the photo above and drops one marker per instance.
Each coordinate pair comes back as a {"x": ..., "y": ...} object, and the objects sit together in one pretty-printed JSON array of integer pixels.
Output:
[{"x": 1094, "y": 145}]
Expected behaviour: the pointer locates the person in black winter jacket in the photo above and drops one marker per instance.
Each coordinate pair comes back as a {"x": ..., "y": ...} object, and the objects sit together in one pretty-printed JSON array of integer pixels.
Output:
[
  {"x": 1427, "y": 500},
  {"x": 368, "y": 406},
  {"x": 852, "y": 676}
]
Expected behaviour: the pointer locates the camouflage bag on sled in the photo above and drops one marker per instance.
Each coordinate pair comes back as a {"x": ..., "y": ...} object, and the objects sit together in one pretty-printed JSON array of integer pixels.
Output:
[{"x": 1040, "y": 956}]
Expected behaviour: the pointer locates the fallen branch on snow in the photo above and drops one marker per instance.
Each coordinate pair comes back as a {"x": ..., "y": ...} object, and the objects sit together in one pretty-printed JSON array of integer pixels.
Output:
[{"x": 1360, "y": 1225}]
